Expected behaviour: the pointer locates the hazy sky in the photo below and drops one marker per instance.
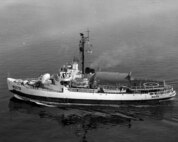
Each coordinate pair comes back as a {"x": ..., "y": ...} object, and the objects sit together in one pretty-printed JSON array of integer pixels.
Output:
[{"x": 120, "y": 28}]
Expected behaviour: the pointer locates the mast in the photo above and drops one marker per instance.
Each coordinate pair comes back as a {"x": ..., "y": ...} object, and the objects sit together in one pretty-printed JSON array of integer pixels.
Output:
[{"x": 82, "y": 49}]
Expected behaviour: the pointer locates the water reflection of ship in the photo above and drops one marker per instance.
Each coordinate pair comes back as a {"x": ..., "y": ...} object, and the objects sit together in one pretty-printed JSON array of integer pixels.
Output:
[{"x": 84, "y": 119}]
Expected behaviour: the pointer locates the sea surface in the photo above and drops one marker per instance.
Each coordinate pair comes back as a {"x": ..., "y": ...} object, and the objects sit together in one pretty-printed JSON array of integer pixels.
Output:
[{"x": 26, "y": 122}]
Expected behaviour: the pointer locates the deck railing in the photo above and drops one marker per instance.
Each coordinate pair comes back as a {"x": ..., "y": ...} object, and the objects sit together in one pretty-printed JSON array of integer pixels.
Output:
[{"x": 134, "y": 88}]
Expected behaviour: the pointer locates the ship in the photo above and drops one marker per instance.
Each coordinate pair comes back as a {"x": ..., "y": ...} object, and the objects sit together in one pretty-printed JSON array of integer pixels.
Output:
[{"x": 74, "y": 86}]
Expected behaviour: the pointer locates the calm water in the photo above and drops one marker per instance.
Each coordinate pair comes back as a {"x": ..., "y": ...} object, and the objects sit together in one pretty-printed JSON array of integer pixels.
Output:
[{"x": 21, "y": 121}]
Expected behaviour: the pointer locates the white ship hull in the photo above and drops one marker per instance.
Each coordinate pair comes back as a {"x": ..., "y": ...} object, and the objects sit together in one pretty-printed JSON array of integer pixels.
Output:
[{"x": 81, "y": 96}]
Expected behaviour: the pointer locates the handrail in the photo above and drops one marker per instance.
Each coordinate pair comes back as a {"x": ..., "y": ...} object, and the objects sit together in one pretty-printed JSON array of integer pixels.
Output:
[
  {"x": 136, "y": 87},
  {"x": 150, "y": 87}
]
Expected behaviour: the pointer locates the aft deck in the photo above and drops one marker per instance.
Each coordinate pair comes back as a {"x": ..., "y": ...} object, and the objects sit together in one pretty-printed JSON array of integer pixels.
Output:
[{"x": 138, "y": 85}]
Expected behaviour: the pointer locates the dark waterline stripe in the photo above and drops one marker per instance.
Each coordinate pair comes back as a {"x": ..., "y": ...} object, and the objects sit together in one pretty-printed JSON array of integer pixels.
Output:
[{"x": 82, "y": 101}]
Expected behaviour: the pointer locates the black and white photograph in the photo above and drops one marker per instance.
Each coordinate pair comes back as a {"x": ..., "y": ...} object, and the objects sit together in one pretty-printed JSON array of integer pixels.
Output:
[{"x": 88, "y": 70}]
